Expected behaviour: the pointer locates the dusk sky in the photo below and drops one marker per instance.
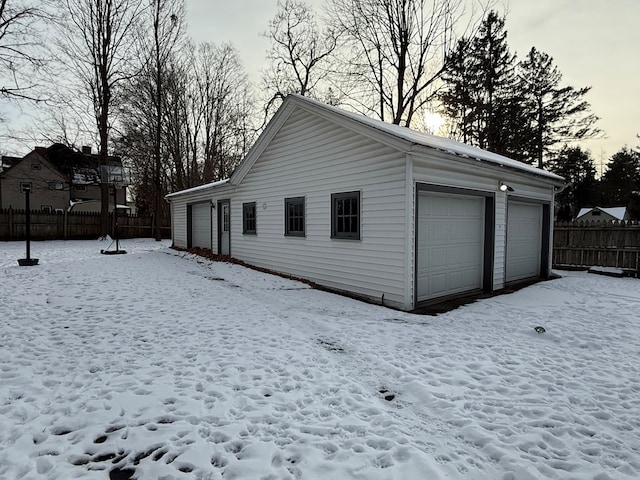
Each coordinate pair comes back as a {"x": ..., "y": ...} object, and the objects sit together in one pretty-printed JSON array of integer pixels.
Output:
[{"x": 593, "y": 43}]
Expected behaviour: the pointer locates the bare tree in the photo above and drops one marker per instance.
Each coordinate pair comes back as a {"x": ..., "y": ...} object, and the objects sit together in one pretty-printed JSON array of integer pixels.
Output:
[
  {"x": 20, "y": 47},
  {"x": 394, "y": 52},
  {"x": 298, "y": 54},
  {"x": 97, "y": 43},
  {"x": 222, "y": 99}
]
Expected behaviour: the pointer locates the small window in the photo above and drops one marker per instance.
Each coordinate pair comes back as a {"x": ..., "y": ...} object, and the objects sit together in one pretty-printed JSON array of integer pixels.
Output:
[
  {"x": 294, "y": 216},
  {"x": 25, "y": 187},
  {"x": 46, "y": 208},
  {"x": 80, "y": 188},
  {"x": 345, "y": 215},
  {"x": 249, "y": 218},
  {"x": 595, "y": 213},
  {"x": 36, "y": 166},
  {"x": 55, "y": 186}
]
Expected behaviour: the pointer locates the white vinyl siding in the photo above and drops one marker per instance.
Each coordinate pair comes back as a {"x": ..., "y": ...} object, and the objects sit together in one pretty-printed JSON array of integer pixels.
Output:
[{"x": 313, "y": 158}]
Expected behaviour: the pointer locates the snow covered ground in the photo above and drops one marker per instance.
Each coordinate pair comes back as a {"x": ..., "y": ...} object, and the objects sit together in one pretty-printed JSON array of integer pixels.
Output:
[{"x": 162, "y": 365}]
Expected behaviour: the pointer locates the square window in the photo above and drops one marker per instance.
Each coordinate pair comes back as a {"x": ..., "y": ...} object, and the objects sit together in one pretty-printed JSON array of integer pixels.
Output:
[
  {"x": 294, "y": 216},
  {"x": 249, "y": 218},
  {"x": 25, "y": 187},
  {"x": 345, "y": 215}
]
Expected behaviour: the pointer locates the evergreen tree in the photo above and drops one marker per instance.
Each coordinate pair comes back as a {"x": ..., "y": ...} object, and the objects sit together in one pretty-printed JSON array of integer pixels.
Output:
[
  {"x": 479, "y": 90},
  {"x": 555, "y": 113},
  {"x": 578, "y": 169},
  {"x": 622, "y": 178}
]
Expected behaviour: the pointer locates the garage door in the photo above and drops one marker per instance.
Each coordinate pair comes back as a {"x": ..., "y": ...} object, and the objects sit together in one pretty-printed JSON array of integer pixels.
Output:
[
  {"x": 201, "y": 225},
  {"x": 450, "y": 244},
  {"x": 524, "y": 240}
]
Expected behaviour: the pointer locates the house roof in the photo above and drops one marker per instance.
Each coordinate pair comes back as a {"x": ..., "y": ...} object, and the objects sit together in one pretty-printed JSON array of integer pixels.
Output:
[
  {"x": 615, "y": 212},
  {"x": 400, "y": 137},
  {"x": 198, "y": 188}
]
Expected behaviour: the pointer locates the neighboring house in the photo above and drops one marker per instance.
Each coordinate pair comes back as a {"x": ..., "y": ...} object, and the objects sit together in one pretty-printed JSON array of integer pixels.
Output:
[
  {"x": 59, "y": 177},
  {"x": 602, "y": 214},
  {"x": 377, "y": 210},
  {"x": 49, "y": 186}
]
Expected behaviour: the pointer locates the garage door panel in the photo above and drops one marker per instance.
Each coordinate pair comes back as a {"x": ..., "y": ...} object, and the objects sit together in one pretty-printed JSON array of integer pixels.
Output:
[
  {"x": 450, "y": 244},
  {"x": 524, "y": 240},
  {"x": 201, "y": 225}
]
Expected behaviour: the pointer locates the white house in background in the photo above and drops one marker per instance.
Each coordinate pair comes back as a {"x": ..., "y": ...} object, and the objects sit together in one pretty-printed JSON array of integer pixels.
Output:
[
  {"x": 377, "y": 210},
  {"x": 602, "y": 214}
]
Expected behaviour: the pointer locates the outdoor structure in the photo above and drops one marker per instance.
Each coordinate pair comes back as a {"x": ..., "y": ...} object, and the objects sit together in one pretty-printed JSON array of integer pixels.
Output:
[
  {"x": 602, "y": 214},
  {"x": 373, "y": 209},
  {"x": 59, "y": 176}
]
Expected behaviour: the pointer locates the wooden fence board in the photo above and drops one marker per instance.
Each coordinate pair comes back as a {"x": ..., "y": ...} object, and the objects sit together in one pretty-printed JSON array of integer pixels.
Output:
[
  {"x": 602, "y": 244},
  {"x": 74, "y": 225}
]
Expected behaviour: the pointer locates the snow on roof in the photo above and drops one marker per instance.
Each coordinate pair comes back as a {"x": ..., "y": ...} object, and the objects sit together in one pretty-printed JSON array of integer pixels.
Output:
[
  {"x": 616, "y": 212},
  {"x": 198, "y": 188},
  {"x": 432, "y": 141}
]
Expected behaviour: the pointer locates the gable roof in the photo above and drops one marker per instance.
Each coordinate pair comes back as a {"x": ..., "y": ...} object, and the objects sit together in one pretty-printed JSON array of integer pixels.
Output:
[
  {"x": 616, "y": 212},
  {"x": 395, "y": 135}
]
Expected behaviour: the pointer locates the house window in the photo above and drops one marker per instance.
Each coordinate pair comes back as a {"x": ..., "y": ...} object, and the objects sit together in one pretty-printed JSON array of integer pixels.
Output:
[
  {"x": 25, "y": 187},
  {"x": 36, "y": 166},
  {"x": 55, "y": 186},
  {"x": 345, "y": 215},
  {"x": 80, "y": 188},
  {"x": 595, "y": 213},
  {"x": 294, "y": 216},
  {"x": 46, "y": 208},
  {"x": 249, "y": 218}
]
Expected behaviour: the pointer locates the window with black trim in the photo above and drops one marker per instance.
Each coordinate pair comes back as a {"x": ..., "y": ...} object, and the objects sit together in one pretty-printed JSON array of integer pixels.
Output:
[
  {"x": 345, "y": 215},
  {"x": 249, "y": 218},
  {"x": 36, "y": 166},
  {"x": 25, "y": 187},
  {"x": 294, "y": 216}
]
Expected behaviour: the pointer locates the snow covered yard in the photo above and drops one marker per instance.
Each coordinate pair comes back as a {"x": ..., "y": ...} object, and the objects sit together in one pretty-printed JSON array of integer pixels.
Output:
[{"x": 161, "y": 365}]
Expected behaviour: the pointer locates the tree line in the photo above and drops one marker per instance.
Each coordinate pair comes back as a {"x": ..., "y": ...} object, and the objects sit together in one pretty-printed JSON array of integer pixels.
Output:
[{"x": 182, "y": 114}]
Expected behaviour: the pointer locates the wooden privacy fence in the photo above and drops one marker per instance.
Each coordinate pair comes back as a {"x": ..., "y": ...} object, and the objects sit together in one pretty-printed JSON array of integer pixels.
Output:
[
  {"x": 603, "y": 244},
  {"x": 74, "y": 225}
]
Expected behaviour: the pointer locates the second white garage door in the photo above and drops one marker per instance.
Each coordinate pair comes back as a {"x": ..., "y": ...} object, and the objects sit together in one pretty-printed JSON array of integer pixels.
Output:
[
  {"x": 524, "y": 240},
  {"x": 450, "y": 247},
  {"x": 201, "y": 225}
]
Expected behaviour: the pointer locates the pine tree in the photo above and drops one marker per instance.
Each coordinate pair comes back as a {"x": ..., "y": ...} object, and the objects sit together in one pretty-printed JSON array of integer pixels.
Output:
[
  {"x": 621, "y": 178},
  {"x": 578, "y": 169},
  {"x": 556, "y": 114}
]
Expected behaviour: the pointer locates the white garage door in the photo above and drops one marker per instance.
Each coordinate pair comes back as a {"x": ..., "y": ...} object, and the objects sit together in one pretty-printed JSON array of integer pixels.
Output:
[
  {"x": 450, "y": 244},
  {"x": 201, "y": 225},
  {"x": 524, "y": 240}
]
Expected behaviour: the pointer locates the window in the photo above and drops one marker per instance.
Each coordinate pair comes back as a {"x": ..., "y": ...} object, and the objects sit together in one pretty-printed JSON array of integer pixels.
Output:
[
  {"x": 249, "y": 218},
  {"x": 595, "y": 213},
  {"x": 25, "y": 187},
  {"x": 55, "y": 186},
  {"x": 80, "y": 188},
  {"x": 294, "y": 216},
  {"x": 46, "y": 208},
  {"x": 36, "y": 166},
  {"x": 345, "y": 215}
]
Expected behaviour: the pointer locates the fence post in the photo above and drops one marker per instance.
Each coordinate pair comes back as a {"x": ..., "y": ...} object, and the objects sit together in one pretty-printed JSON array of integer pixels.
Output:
[
  {"x": 11, "y": 223},
  {"x": 64, "y": 225}
]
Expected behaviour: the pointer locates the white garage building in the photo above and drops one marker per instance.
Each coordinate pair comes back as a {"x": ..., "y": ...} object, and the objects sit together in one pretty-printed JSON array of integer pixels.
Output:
[{"x": 377, "y": 210}]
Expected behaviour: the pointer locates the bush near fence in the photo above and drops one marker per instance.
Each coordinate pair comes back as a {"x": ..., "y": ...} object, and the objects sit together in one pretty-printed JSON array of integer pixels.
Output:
[
  {"x": 603, "y": 244},
  {"x": 74, "y": 225}
]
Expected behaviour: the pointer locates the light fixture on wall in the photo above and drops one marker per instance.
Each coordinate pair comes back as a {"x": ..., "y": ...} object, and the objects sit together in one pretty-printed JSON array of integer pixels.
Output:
[
  {"x": 213, "y": 204},
  {"x": 505, "y": 188}
]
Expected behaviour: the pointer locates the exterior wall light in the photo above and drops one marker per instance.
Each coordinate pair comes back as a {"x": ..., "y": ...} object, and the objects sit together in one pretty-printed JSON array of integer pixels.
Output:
[{"x": 505, "y": 188}]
